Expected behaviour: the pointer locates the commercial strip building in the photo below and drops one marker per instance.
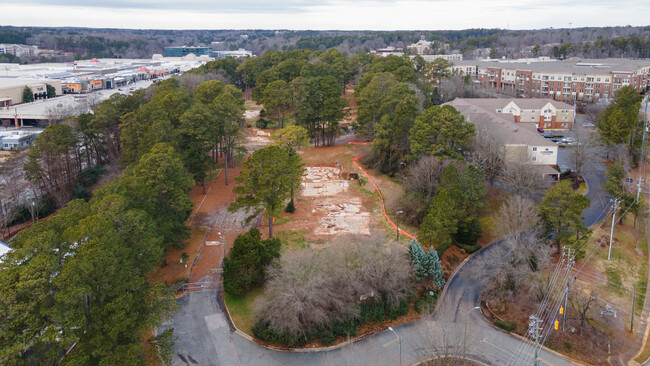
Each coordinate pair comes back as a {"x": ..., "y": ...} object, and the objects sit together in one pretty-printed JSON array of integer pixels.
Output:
[
  {"x": 185, "y": 51},
  {"x": 11, "y": 89},
  {"x": 518, "y": 142},
  {"x": 569, "y": 80},
  {"x": 85, "y": 76}
]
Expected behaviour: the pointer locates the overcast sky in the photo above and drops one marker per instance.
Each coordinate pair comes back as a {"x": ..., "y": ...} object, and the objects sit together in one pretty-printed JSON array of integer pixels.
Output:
[{"x": 324, "y": 14}]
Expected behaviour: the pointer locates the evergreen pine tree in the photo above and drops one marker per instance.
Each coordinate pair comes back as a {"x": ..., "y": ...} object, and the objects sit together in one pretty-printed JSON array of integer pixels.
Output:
[
  {"x": 417, "y": 256},
  {"x": 434, "y": 268}
]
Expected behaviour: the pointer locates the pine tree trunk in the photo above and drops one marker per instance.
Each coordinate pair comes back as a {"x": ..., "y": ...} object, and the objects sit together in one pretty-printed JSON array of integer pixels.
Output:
[
  {"x": 226, "y": 171},
  {"x": 270, "y": 225}
]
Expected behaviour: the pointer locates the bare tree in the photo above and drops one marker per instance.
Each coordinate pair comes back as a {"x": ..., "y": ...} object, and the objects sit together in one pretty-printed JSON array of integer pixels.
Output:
[
  {"x": 581, "y": 153},
  {"x": 443, "y": 346},
  {"x": 583, "y": 304},
  {"x": 523, "y": 178},
  {"x": 486, "y": 154},
  {"x": 520, "y": 263},
  {"x": 516, "y": 215},
  {"x": 424, "y": 176}
]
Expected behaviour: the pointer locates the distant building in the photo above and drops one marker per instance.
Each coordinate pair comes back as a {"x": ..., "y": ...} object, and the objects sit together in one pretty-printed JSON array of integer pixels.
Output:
[
  {"x": 11, "y": 89},
  {"x": 569, "y": 80},
  {"x": 19, "y": 139},
  {"x": 518, "y": 143},
  {"x": 451, "y": 57},
  {"x": 421, "y": 47},
  {"x": 4, "y": 249},
  {"x": 19, "y": 50},
  {"x": 237, "y": 53},
  {"x": 187, "y": 50}
]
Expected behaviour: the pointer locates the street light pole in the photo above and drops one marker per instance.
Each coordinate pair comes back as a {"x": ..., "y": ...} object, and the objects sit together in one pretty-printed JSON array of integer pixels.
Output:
[
  {"x": 399, "y": 340},
  {"x": 465, "y": 334},
  {"x": 397, "y": 225}
]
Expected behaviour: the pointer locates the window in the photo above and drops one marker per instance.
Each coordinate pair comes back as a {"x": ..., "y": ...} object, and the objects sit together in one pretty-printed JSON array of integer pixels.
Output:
[
  {"x": 534, "y": 158},
  {"x": 534, "y": 148},
  {"x": 607, "y": 80},
  {"x": 597, "y": 79}
]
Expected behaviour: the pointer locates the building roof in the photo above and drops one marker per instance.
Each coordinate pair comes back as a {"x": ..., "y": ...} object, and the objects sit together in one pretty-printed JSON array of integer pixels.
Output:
[
  {"x": 17, "y": 82},
  {"x": 4, "y": 248},
  {"x": 492, "y": 104},
  {"x": 498, "y": 126}
]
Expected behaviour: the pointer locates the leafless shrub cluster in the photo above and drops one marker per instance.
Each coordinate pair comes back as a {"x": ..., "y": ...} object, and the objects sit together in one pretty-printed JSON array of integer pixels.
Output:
[
  {"x": 523, "y": 178},
  {"x": 307, "y": 289}
]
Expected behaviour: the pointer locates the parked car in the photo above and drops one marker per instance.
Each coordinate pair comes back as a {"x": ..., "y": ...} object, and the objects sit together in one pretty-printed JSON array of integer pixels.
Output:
[
  {"x": 546, "y": 135},
  {"x": 540, "y": 130}
]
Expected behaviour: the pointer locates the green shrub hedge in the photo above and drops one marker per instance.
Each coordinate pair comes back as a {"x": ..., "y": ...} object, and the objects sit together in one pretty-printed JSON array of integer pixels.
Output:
[
  {"x": 506, "y": 325},
  {"x": 427, "y": 304},
  {"x": 469, "y": 249}
]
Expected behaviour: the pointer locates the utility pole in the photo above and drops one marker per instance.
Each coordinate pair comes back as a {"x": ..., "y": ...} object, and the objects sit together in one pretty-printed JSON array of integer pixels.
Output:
[
  {"x": 642, "y": 157},
  {"x": 569, "y": 264},
  {"x": 397, "y": 226},
  {"x": 611, "y": 233},
  {"x": 534, "y": 330},
  {"x": 632, "y": 316}
]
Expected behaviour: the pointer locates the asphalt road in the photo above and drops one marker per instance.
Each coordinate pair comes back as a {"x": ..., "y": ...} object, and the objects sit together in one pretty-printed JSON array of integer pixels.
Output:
[{"x": 594, "y": 174}]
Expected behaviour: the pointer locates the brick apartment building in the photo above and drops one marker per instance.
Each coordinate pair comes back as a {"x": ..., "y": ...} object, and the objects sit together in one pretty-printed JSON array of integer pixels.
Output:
[{"x": 568, "y": 80}]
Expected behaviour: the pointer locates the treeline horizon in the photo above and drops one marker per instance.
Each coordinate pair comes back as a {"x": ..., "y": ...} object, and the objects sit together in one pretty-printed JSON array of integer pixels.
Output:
[{"x": 594, "y": 42}]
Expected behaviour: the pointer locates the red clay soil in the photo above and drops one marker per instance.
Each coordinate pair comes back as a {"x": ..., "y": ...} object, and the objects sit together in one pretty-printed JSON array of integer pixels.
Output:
[{"x": 210, "y": 223}]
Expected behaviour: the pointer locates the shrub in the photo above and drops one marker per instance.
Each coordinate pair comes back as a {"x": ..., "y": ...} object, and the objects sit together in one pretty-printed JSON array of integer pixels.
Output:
[
  {"x": 469, "y": 232},
  {"x": 469, "y": 249},
  {"x": 81, "y": 192},
  {"x": 506, "y": 325},
  {"x": 291, "y": 208},
  {"x": 261, "y": 123},
  {"x": 245, "y": 265},
  {"x": 90, "y": 176},
  {"x": 427, "y": 304},
  {"x": 262, "y": 112}
]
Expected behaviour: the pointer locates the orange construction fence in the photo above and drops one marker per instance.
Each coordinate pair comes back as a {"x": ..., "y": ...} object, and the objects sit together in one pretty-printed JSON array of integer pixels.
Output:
[{"x": 383, "y": 207}]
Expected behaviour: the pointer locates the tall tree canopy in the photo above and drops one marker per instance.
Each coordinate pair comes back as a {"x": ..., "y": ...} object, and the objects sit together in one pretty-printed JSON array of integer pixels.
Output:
[
  {"x": 440, "y": 131},
  {"x": 561, "y": 210},
  {"x": 266, "y": 182}
]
